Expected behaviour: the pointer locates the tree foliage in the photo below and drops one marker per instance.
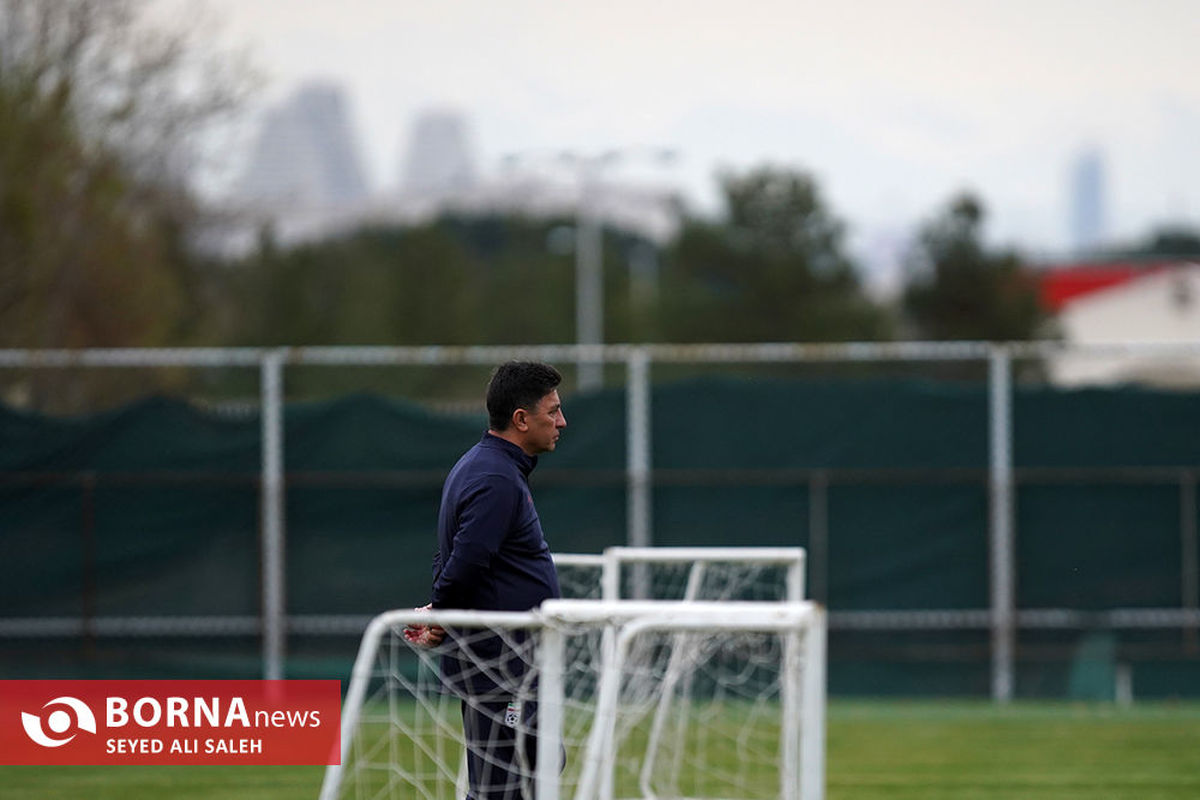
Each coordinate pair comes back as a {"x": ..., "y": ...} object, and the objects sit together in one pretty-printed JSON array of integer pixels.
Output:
[
  {"x": 1176, "y": 240},
  {"x": 94, "y": 128},
  {"x": 959, "y": 289},
  {"x": 775, "y": 269},
  {"x": 97, "y": 114},
  {"x": 454, "y": 281}
]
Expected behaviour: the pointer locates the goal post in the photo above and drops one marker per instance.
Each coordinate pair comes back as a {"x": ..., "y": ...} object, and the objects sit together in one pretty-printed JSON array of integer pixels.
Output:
[
  {"x": 629, "y": 699},
  {"x": 396, "y": 692},
  {"x": 786, "y": 719}
]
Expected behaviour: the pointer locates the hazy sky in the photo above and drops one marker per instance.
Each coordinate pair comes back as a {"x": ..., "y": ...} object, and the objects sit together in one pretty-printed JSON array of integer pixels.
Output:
[{"x": 893, "y": 104}]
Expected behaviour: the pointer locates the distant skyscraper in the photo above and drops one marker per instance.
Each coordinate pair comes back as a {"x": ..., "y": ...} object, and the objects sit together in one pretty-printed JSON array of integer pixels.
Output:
[
  {"x": 1087, "y": 201},
  {"x": 306, "y": 156},
  {"x": 439, "y": 157}
]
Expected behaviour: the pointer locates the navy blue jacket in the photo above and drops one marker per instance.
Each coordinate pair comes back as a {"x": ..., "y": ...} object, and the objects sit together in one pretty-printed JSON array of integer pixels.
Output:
[{"x": 491, "y": 553}]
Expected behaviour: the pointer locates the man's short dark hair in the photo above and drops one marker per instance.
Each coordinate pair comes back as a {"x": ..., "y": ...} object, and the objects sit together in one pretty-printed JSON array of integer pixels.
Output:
[{"x": 518, "y": 384}]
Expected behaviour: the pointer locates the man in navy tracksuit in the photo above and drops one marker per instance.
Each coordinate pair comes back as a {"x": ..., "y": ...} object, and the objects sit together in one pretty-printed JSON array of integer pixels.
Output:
[{"x": 492, "y": 555}]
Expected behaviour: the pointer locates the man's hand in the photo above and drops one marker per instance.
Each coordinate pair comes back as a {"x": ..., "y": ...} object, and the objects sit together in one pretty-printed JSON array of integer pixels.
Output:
[{"x": 424, "y": 635}]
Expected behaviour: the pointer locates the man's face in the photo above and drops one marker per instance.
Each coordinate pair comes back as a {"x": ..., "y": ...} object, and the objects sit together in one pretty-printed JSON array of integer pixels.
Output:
[{"x": 544, "y": 422}]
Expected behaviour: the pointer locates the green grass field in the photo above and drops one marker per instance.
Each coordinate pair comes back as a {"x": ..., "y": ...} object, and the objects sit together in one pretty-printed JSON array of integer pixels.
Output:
[{"x": 876, "y": 751}]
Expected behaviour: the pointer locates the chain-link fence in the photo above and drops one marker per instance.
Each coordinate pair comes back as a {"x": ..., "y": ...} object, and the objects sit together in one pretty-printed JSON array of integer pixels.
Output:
[{"x": 962, "y": 514}]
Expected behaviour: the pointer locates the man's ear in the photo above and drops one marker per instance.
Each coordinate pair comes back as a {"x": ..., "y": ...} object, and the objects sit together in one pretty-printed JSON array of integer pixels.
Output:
[{"x": 520, "y": 419}]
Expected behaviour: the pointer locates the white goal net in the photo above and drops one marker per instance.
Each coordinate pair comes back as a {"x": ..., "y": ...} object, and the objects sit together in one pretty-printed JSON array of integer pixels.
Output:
[
  {"x": 684, "y": 573},
  {"x": 580, "y": 575},
  {"x": 591, "y": 700}
]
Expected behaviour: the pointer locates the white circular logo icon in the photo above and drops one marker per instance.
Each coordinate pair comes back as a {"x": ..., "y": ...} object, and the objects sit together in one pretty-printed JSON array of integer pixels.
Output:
[{"x": 59, "y": 721}]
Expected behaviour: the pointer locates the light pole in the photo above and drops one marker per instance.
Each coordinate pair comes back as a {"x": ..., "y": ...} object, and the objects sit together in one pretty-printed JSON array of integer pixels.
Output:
[
  {"x": 589, "y": 250},
  {"x": 589, "y": 269}
]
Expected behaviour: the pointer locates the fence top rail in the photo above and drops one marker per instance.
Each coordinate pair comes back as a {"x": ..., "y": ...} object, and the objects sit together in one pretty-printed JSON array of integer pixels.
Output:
[
  {"x": 667, "y": 353},
  {"x": 135, "y": 357},
  {"x": 355, "y": 624},
  {"x": 735, "y": 353}
]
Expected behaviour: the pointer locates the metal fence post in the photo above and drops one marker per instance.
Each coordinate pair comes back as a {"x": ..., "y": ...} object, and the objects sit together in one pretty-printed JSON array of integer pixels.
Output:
[
  {"x": 1003, "y": 604},
  {"x": 273, "y": 587},
  {"x": 638, "y": 461},
  {"x": 589, "y": 285},
  {"x": 1189, "y": 578},
  {"x": 818, "y": 536}
]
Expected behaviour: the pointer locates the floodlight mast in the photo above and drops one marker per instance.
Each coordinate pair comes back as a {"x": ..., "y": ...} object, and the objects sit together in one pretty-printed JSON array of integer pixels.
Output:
[{"x": 589, "y": 250}]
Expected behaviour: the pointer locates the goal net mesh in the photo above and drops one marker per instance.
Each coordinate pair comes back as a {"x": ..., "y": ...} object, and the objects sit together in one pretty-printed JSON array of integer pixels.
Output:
[
  {"x": 580, "y": 577},
  {"x": 703, "y": 580},
  {"x": 702, "y": 573},
  {"x": 693, "y": 715}
]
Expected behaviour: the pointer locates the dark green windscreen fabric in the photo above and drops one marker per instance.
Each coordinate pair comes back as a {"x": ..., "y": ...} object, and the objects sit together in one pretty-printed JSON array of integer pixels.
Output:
[{"x": 153, "y": 509}]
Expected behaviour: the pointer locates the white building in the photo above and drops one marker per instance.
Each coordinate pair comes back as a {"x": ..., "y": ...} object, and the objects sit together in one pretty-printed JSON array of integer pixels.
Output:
[{"x": 1119, "y": 303}]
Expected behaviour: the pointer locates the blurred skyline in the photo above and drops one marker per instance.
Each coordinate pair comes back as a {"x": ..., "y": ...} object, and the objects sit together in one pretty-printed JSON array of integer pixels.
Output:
[{"x": 894, "y": 106}]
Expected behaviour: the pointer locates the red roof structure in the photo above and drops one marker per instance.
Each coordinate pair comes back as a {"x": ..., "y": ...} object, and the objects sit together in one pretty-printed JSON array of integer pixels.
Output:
[{"x": 1061, "y": 284}]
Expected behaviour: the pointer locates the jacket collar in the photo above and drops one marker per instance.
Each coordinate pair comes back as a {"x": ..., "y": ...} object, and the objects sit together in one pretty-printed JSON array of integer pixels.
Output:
[{"x": 524, "y": 461}]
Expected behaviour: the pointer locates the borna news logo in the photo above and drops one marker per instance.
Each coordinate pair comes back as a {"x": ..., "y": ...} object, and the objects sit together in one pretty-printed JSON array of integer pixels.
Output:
[
  {"x": 59, "y": 721},
  {"x": 170, "y": 722}
]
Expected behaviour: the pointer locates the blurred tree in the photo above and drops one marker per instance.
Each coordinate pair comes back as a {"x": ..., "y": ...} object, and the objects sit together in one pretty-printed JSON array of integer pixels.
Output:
[
  {"x": 526, "y": 278},
  {"x": 958, "y": 289},
  {"x": 98, "y": 115},
  {"x": 774, "y": 270},
  {"x": 455, "y": 281},
  {"x": 1170, "y": 241}
]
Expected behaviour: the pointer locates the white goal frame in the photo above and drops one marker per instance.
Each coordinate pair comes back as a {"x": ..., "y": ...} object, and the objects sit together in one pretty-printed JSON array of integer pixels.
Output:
[{"x": 803, "y": 624}]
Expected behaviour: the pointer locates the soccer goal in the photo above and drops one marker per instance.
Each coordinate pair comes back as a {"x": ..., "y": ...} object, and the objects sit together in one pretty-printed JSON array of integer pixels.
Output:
[
  {"x": 684, "y": 573},
  {"x": 590, "y": 700}
]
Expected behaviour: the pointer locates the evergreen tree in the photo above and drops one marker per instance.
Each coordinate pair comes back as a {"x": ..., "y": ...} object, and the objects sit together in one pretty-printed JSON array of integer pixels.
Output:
[
  {"x": 775, "y": 269},
  {"x": 959, "y": 289}
]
